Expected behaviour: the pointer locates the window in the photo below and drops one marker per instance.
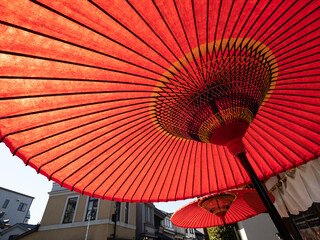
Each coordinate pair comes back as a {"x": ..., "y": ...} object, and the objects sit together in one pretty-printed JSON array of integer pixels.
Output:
[
  {"x": 22, "y": 207},
  {"x": 168, "y": 223},
  {"x": 5, "y": 204},
  {"x": 92, "y": 209},
  {"x": 70, "y": 209},
  {"x": 149, "y": 214},
  {"x": 126, "y": 213}
]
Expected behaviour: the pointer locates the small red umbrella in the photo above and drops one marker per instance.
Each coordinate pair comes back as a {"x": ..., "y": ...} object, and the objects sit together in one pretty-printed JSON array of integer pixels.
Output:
[{"x": 218, "y": 209}]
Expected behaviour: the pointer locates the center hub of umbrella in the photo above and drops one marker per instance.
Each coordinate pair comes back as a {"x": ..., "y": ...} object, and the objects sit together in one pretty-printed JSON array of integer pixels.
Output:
[
  {"x": 213, "y": 98},
  {"x": 219, "y": 204}
]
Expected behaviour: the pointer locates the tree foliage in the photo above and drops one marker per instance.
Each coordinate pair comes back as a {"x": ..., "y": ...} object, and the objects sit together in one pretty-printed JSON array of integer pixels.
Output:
[{"x": 222, "y": 233}]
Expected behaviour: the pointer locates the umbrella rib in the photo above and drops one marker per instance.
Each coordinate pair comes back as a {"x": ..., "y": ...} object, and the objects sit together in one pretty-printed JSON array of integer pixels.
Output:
[
  {"x": 165, "y": 22},
  {"x": 294, "y": 101},
  {"x": 207, "y": 167},
  {"x": 142, "y": 159},
  {"x": 166, "y": 174},
  {"x": 296, "y": 40},
  {"x": 196, "y": 30},
  {"x": 83, "y": 144},
  {"x": 39, "y": 169},
  {"x": 269, "y": 152},
  {"x": 224, "y": 31},
  {"x": 93, "y": 160},
  {"x": 243, "y": 26},
  {"x": 194, "y": 169},
  {"x": 185, "y": 35},
  {"x": 201, "y": 167},
  {"x": 185, "y": 184},
  {"x": 175, "y": 170},
  {"x": 291, "y": 78},
  {"x": 215, "y": 33},
  {"x": 290, "y": 112},
  {"x": 295, "y": 32},
  {"x": 157, "y": 179},
  {"x": 240, "y": 170},
  {"x": 214, "y": 168},
  {"x": 130, "y": 31},
  {"x": 185, "y": 153},
  {"x": 72, "y": 94},
  {"x": 252, "y": 25},
  {"x": 81, "y": 80},
  {"x": 103, "y": 160},
  {"x": 274, "y": 22},
  {"x": 298, "y": 71},
  {"x": 169, "y": 168},
  {"x": 180, "y": 142},
  {"x": 228, "y": 161},
  {"x": 75, "y": 63},
  {"x": 77, "y": 45},
  {"x": 222, "y": 168},
  {"x": 152, "y": 132},
  {"x": 263, "y": 24},
  {"x": 166, "y": 141},
  {"x": 75, "y": 106},
  {"x": 214, "y": 52},
  {"x": 296, "y": 95},
  {"x": 276, "y": 139},
  {"x": 288, "y": 136},
  {"x": 130, "y": 4},
  {"x": 56, "y": 134},
  {"x": 299, "y": 65},
  {"x": 302, "y": 126},
  {"x": 207, "y": 31},
  {"x": 297, "y": 59},
  {"x": 95, "y": 31},
  {"x": 79, "y": 116},
  {"x": 88, "y": 132},
  {"x": 234, "y": 27}
]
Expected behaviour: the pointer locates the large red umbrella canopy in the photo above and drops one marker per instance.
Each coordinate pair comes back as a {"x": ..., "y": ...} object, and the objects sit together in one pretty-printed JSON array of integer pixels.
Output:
[
  {"x": 128, "y": 100},
  {"x": 236, "y": 205}
]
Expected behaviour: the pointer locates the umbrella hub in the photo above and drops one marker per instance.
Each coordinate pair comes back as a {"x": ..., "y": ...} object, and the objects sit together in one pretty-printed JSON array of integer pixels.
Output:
[
  {"x": 215, "y": 98},
  {"x": 219, "y": 204}
]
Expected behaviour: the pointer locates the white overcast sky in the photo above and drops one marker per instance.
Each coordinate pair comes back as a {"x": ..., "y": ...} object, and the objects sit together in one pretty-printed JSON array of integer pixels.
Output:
[{"x": 14, "y": 175}]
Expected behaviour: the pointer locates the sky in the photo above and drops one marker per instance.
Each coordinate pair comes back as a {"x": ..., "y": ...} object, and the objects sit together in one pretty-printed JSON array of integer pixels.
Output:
[{"x": 14, "y": 175}]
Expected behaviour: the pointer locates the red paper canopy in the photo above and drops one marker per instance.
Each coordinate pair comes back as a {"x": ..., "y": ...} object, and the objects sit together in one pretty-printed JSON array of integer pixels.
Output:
[
  {"x": 123, "y": 99},
  {"x": 246, "y": 204}
]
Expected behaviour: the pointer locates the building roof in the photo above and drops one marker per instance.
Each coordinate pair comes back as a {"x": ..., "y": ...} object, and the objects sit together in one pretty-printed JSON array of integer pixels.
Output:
[
  {"x": 16, "y": 192},
  {"x": 160, "y": 213},
  {"x": 197, "y": 232},
  {"x": 24, "y": 226},
  {"x": 34, "y": 229}
]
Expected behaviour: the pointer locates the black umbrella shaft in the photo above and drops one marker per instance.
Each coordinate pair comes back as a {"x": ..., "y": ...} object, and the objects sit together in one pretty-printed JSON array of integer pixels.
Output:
[{"x": 265, "y": 197}]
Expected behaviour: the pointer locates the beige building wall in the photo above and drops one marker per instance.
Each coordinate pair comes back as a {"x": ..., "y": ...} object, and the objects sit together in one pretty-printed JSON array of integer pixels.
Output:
[
  {"x": 102, "y": 227},
  {"x": 96, "y": 232}
]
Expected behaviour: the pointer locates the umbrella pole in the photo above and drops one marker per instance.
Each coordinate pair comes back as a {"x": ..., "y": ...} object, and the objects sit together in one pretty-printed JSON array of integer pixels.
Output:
[{"x": 264, "y": 197}]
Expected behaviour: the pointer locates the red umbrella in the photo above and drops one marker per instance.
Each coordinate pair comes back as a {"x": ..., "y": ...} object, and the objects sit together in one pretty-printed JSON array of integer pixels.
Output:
[
  {"x": 217, "y": 209},
  {"x": 104, "y": 97}
]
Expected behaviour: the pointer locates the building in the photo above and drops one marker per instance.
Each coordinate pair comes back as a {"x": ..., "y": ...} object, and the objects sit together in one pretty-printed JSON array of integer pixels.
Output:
[
  {"x": 15, "y": 206},
  {"x": 70, "y": 215},
  {"x": 145, "y": 221}
]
